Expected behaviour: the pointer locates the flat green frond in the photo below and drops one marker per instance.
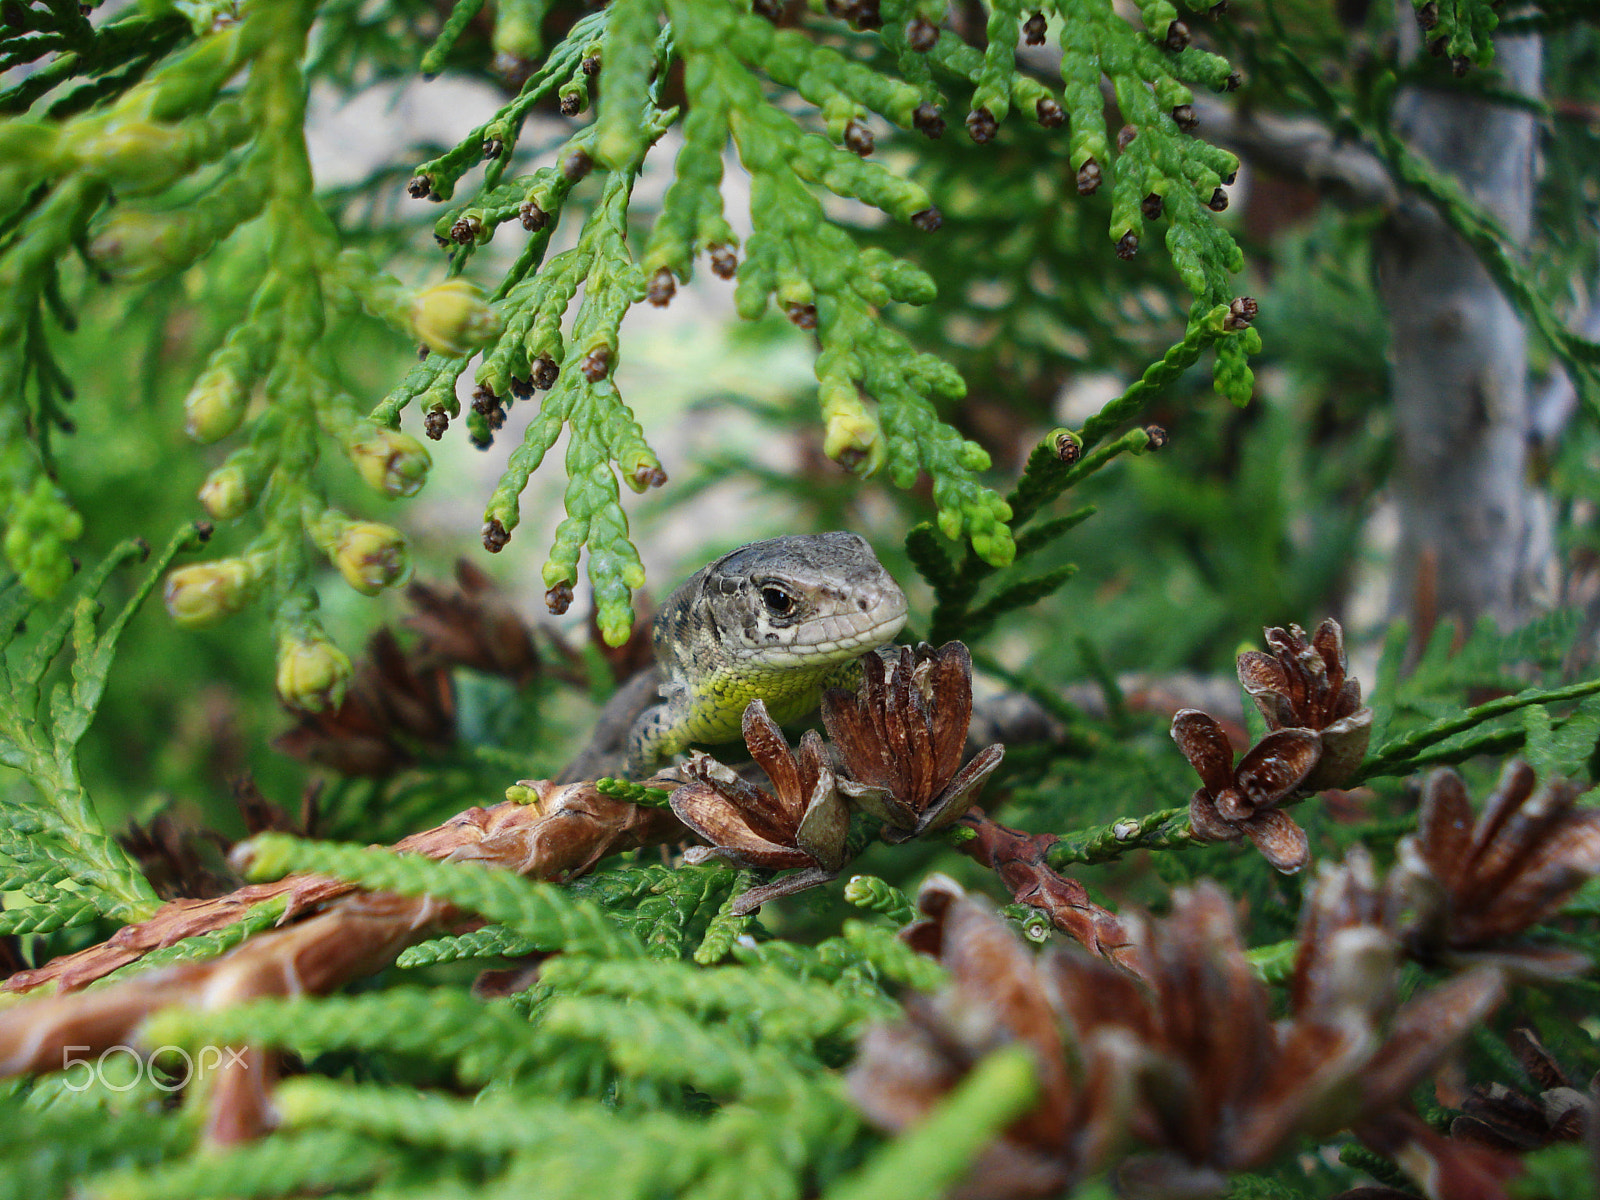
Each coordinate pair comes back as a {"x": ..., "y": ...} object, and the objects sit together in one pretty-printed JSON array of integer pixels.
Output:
[
  {"x": 54, "y": 837},
  {"x": 52, "y": 1148},
  {"x": 1462, "y": 29},
  {"x": 455, "y": 24},
  {"x": 580, "y": 1148},
  {"x": 665, "y": 1045},
  {"x": 633, "y": 793},
  {"x": 489, "y": 942},
  {"x": 287, "y": 1165},
  {"x": 1403, "y": 754},
  {"x": 1561, "y": 750},
  {"x": 782, "y": 1007},
  {"x": 869, "y": 891},
  {"x": 64, "y": 913},
  {"x": 725, "y": 926},
  {"x": 443, "y": 1026},
  {"x": 546, "y": 914}
]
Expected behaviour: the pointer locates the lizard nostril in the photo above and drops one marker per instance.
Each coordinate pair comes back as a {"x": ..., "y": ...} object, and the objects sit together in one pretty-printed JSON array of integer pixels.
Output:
[{"x": 862, "y": 604}]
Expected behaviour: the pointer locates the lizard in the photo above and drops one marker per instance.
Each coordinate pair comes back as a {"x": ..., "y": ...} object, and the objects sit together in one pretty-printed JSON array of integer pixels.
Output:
[{"x": 777, "y": 620}]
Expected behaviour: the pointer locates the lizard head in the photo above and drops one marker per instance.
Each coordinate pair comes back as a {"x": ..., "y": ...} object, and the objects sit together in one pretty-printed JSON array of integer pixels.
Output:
[{"x": 820, "y": 598}]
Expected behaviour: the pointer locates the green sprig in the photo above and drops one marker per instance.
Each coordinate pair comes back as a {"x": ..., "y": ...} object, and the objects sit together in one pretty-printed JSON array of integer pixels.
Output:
[
  {"x": 54, "y": 836},
  {"x": 547, "y": 915},
  {"x": 1167, "y": 829}
]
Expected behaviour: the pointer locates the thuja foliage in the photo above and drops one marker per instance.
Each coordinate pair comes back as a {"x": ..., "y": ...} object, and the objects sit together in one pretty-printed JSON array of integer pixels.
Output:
[
  {"x": 634, "y": 1032},
  {"x": 605, "y": 987},
  {"x": 55, "y": 849},
  {"x": 148, "y": 114}
]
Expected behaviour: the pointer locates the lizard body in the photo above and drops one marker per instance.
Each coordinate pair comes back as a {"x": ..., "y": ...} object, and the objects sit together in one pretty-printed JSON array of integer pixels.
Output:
[{"x": 777, "y": 620}]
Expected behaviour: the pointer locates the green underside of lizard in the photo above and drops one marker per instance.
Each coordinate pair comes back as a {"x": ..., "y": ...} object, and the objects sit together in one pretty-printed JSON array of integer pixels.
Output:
[{"x": 713, "y": 711}]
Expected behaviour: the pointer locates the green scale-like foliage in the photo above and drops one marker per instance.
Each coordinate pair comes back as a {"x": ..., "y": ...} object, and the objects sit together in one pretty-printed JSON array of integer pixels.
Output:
[
  {"x": 199, "y": 158},
  {"x": 210, "y": 140},
  {"x": 694, "y": 1066},
  {"x": 1058, "y": 462},
  {"x": 1462, "y": 29},
  {"x": 1419, "y": 720},
  {"x": 879, "y": 397},
  {"x": 52, "y": 845},
  {"x": 543, "y": 913}
]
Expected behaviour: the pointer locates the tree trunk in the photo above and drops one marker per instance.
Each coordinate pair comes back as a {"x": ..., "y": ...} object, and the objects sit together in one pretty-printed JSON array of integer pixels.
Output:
[{"x": 1475, "y": 537}]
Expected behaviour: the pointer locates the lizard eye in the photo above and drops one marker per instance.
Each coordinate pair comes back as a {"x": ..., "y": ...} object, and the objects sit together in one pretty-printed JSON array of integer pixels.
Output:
[{"x": 779, "y": 603}]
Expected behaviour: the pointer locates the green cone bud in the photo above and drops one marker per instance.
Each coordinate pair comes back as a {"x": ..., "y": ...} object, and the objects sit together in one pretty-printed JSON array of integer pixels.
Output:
[
  {"x": 39, "y": 524},
  {"x": 853, "y": 438},
  {"x": 226, "y": 493},
  {"x": 312, "y": 672},
  {"x": 204, "y": 593},
  {"x": 134, "y": 151},
  {"x": 132, "y": 244},
  {"x": 214, "y": 406},
  {"x": 452, "y": 318},
  {"x": 371, "y": 557},
  {"x": 391, "y": 462}
]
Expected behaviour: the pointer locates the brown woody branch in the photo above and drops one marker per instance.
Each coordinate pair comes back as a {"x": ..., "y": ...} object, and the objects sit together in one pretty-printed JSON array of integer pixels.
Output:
[
  {"x": 564, "y": 834},
  {"x": 1018, "y": 858}
]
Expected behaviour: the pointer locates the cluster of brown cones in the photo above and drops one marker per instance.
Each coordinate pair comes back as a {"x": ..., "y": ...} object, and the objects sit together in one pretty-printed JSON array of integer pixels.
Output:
[
  {"x": 401, "y": 702},
  {"x": 1173, "y": 1051},
  {"x": 897, "y": 747},
  {"x": 1318, "y": 733}
]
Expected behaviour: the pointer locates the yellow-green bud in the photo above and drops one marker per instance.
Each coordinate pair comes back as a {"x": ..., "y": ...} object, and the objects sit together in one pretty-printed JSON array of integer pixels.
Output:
[
  {"x": 391, "y": 462},
  {"x": 135, "y": 153},
  {"x": 371, "y": 557},
  {"x": 214, "y": 406},
  {"x": 521, "y": 793},
  {"x": 452, "y": 318},
  {"x": 852, "y": 436},
  {"x": 795, "y": 289},
  {"x": 132, "y": 245},
  {"x": 312, "y": 672},
  {"x": 226, "y": 493},
  {"x": 206, "y": 592},
  {"x": 516, "y": 32}
]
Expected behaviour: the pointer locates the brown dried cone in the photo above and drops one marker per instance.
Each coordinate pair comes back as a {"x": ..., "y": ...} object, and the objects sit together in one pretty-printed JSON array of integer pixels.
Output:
[
  {"x": 177, "y": 858},
  {"x": 902, "y": 735},
  {"x": 1463, "y": 890},
  {"x": 1186, "y": 1055},
  {"x": 1503, "y": 1118},
  {"x": 393, "y": 704},
  {"x": 1445, "y": 1168},
  {"x": 1302, "y": 685},
  {"x": 999, "y": 994},
  {"x": 803, "y": 825},
  {"x": 1233, "y": 1087},
  {"x": 1242, "y": 801},
  {"x": 472, "y": 625}
]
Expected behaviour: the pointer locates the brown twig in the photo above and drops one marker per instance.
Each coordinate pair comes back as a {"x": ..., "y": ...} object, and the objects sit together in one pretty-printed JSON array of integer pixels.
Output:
[
  {"x": 564, "y": 834},
  {"x": 1018, "y": 858}
]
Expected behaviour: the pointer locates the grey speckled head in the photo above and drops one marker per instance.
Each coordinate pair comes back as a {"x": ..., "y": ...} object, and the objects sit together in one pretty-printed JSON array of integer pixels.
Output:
[{"x": 823, "y": 597}]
